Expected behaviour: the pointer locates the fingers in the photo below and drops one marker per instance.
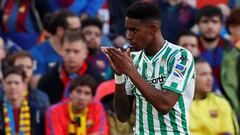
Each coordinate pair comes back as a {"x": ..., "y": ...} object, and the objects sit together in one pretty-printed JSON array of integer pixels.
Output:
[
  {"x": 115, "y": 54},
  {"x": 128, "y": 52}
]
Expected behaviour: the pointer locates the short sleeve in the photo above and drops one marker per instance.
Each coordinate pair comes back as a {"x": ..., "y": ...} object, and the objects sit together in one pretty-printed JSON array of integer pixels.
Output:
[{"x": 181, "y": 69}]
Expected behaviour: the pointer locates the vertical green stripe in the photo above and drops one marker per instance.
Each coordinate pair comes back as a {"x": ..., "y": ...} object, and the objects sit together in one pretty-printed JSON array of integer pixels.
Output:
[
  {"x": 166, "y": 53},
  {"x": 163, "y": 126},
  {"x": 171, "y": 56},
  {"x": 144, "y": 68},
  {"x": 139, "y": 59},
  {"x": 183, "y": 114},
  {"x": 188, "y": 75},
  {"x": 156, "y": 56},
  {"x": 141, "y": 129},
  {"x": 171, "y": 65},
  {"x": 173, "y": 122},
  {"x": 150, "y": 119},
  {"x": 150, "y": 108},
  {"x": 133, "y": 56}
]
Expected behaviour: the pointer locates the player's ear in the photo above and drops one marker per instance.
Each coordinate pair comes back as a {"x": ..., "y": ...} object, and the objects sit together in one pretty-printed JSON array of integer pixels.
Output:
[{"x": 153, "y": 28}]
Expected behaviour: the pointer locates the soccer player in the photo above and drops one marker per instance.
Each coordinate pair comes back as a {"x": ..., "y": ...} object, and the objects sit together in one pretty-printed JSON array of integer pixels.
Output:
[{"x": 160, "y": 76}]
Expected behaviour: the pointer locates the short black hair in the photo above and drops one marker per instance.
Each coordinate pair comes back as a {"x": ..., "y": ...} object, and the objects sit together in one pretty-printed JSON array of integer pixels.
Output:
[
  {"x": 85, "y": 80},
  {"x": 59, "y": 19},
  {"x": 186, "y": 33},
  {"x": 144, "y": 11},
  {"x": 91, "y": 22},
  {"x": 14, "y": 70},
  {"x": 72, "y": 36},
  {"x": 209, "y": 11}
]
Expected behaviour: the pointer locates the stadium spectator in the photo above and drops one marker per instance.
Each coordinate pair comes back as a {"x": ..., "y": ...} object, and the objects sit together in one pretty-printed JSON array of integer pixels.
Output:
[
  {"x": 74, "y": 53},
  {"x": 17, "y": 114},
  {"x": 78, "y": 7},
  {"x": 92, "y": 31},
  {"x": 210, "y": 114},
  {"x": 61, "y": 21},
  {"x": 189, "y": 41},
  {"x": 21, "y": 20},
  {"x": 233, "y": 26},
  {"x": 104, "y": 93},
  {"x": 219, "y": 52},
  {"x": 176, "y": 16},
  {"x": 24, "y": 60},
  {"x": 80, "y": 114}
]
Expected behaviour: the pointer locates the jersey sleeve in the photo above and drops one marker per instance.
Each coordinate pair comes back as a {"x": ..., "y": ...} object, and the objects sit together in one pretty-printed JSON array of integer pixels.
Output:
[{"x": 181, "y": 70}]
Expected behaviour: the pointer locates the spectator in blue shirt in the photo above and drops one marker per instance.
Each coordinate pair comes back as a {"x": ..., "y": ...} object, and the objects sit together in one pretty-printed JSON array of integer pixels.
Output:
[
  {"x": 61, "y": 21},
  {"x": 78, "y": 7}
]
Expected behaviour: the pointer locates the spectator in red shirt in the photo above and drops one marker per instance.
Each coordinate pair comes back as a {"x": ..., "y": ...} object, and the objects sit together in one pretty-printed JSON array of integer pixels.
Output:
[{"x": 80, "y": 114}]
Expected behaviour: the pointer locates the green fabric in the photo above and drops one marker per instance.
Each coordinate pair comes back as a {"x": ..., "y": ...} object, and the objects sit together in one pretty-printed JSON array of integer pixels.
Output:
[{"x": 229, "y": 77}]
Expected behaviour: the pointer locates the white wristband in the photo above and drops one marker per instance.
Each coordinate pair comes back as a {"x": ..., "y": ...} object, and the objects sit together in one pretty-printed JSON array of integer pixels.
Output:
[{"x": 119, "y": 79}]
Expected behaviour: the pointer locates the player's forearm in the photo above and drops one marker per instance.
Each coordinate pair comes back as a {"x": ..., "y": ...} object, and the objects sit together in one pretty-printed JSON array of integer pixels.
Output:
[
  {"x": 162, "y": 101},
  {"x": 122, "y": 104}
]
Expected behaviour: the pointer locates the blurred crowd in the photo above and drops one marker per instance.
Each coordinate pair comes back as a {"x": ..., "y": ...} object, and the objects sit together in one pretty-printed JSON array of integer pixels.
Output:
[{"x": 55, "y": 80}]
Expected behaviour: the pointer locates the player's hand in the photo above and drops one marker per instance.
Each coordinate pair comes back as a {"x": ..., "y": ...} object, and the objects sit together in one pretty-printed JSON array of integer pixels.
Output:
[
  {"x": 105, "y": 51},
  {"x": 121, "y": 60}
]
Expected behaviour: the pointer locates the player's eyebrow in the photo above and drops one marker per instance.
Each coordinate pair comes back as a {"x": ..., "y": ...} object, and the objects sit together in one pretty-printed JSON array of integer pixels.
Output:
[{"x": 131, "y": 28}]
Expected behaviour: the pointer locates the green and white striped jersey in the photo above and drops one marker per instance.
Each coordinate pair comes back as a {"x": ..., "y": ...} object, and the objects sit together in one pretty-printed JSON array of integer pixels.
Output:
[{"x": 172, "y": 68}]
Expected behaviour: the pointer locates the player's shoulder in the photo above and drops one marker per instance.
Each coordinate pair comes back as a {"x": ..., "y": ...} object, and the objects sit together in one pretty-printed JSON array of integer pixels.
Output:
[
  {"x": 178, "y": 50},
  {"x": 176, "y": 47}
]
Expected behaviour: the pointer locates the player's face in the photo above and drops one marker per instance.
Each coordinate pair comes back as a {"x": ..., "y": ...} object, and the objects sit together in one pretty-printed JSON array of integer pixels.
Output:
[
  {"x": 204, "y": 78},
  {"x": 137, "y": 33},
  {"x": 81, "y": 96},
  {"x": 190, "y": 43},
  {"x": 210, "y": 27},
  {"x": 93, "y": 36},
  {"x": 14, "y": 86},
  {"x": 74, "y": 54}
]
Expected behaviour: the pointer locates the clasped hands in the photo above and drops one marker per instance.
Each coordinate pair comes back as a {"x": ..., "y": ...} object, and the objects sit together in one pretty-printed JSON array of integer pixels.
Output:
[{"x": 120, "y": 61}]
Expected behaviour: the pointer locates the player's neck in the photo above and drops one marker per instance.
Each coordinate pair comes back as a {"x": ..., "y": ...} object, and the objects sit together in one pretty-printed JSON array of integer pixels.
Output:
[{"x": 154, "y": 46}]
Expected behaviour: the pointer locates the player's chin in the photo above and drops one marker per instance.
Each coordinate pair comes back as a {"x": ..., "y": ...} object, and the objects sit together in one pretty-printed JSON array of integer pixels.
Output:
[{"x": 135, "y": 49}]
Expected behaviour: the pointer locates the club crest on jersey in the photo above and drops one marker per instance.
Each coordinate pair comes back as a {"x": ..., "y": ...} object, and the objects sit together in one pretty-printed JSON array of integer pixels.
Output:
[{"x": 179, "y": 71}]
